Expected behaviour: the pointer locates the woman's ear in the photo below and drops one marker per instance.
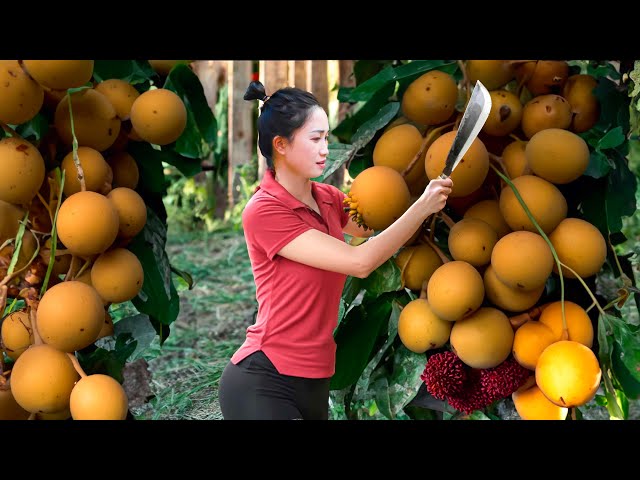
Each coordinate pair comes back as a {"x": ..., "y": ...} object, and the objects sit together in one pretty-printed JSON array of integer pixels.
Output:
[{"x": 279, "y": 144}]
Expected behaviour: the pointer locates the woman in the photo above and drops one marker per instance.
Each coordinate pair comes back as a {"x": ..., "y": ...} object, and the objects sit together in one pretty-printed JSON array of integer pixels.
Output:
[{"x": 294, "y": 232}]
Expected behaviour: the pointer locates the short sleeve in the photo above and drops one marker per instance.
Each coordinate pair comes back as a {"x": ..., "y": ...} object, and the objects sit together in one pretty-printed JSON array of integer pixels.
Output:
[{"x": 270, "y": 225}]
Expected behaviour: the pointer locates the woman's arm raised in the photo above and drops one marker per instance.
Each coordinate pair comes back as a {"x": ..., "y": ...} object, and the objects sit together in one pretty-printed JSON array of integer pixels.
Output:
[{"x": 317, "y": 249}]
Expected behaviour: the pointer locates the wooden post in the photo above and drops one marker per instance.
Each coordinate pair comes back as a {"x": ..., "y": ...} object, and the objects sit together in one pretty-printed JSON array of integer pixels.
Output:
[
  {"x": 298, "y": 73},
  {"x": 347, "y": 79},
  {"x": 318, "y": 82},
  {"x": 240, "y": 131},
  {"x": 274, "y": 74}
]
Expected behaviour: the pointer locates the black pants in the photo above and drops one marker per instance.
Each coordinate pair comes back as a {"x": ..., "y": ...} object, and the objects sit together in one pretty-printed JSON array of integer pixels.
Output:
[{"x": 254, "y": 390}]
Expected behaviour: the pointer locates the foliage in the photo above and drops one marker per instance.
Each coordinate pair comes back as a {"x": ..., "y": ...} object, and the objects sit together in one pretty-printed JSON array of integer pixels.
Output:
[{"x": 372, "y": 365}]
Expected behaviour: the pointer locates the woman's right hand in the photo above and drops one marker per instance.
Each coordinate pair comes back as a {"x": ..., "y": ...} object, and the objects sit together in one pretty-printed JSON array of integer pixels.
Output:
[{"x": 436, "y": 193}]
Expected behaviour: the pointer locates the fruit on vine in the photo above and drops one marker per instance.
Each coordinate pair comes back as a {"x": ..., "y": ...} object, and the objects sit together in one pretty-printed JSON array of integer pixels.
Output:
[
  {"x": 417, "y": 263},
  {"x": 117, "y": 275},
  {"x": 87, "y": 223},
  {"x": 96, "y": 124},
  {"x": 505, "y": 114},
  {"x": 17, "y": 333},
  {"x": 472, "y": 240},
  {"x": 378, "y": 197},
  {"x": 70, "y": 316},
  {"x": 60, "y": 74},
  {"x": 455, "y": 290},
  {"x": 545, "y": 111},
  {"x": 431, "y": 98},
  {"x": 515, "y": 160},
  {"x": 579, "y": 326},
  {"x": 121, "y": 94},
  {"x": 580, "y": 246},
  {"x": 557, "y": 155},
  {"x": 522, "y": 260},
  {"x": 21, "y": 98},
  {"x": 94, "y": 167},
  {"x": 132, "y": 211},
  {"x": 98, "y": 397},
  {"x": 547, "y": 204},
  {"x": 420, "y": 329},
  {"x": 159, "y": 116},
  {"x": 568, "y": 373},
  {"x": 9, "y": 408},
  {"x": 23, "y": 171},
  {"x": 42, "y": 379},
  {"x": 585, "y": 106},
  {"x": 492, "y": 73},
  {"x": 530, "y": 340},
  {"x": 506, "y": 297},
  {"x": 125, "y": 170},
  {"x": 396, "y": 149},
  {"x": 483, "y": 339},
  {"x": 468, "y": 174},
  {"x": 543, "y": 76},
  {"x": 531, "y": 404},
  {"x": 489, "y": 211}
]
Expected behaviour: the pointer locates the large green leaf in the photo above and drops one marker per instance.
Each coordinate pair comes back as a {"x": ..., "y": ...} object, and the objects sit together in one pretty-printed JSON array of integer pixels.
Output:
[
  {"x": 606, "y": 348},
  {"x": 149, "y": 163},
  {"x": 108, "y": 361},
  {"x": 612, "y": 139},
  {"x": 628, "y": 340},
  {"x": 199, "y": 137},
  {"x": 405, "y": 380},
  {"x": 621, "y": 191},
  {"x": 158, "y": 297},
  {"x": 385, "y": 278},
  {"x": 356, "y": 338},
  {"x": 146, "y": 153},
  {"x": 34, "y": 129},
  {"x": 368, "y": 129},
  {"x": 339, "y": 153},
  {"x": 132, "y": 71},
  {"x": 614, "y": 106},
  {"x": 599, "y": 165},
  {"x": 141, "y": 330}
]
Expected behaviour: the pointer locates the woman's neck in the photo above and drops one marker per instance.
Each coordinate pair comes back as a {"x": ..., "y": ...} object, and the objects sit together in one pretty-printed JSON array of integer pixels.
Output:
[{"x": 296, "y": 185}]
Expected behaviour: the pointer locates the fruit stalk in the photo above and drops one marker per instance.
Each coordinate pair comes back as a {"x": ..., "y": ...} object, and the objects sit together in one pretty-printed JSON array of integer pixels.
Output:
[
  {"x": 499, "y": 161},
  {"x": 429, "y": 138},
  {"x": 465, "y": 79},
  {"x": 54, "y": 231},
  {"x": 533, "y": 313},
  {"x": 76, "y": 365},
  {"x": 436, "y": 248},
  {"x": 446, "y": 219},
  {"x": 589, "y": 292},
  {"x": 37, "y": 339},
  {"x": 9, "y": 130},
  {"x": 76, "y": 159}
]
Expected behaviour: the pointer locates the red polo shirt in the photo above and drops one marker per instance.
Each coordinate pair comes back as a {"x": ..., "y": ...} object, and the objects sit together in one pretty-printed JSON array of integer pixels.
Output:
[{"x": 297, "y": 304}]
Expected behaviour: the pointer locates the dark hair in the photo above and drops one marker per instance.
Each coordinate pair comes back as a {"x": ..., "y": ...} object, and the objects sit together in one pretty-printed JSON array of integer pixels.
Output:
[{"x": 281, "y": 114}]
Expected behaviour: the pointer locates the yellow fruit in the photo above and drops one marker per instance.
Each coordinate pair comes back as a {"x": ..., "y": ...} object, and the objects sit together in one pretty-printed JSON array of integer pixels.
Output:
[
  {"x": 17, "y": 333},
  {"x": 22, "y": 171},
  {"x": 21, "y": 98},
  {"x": 472, "y": 241},
  {"x": 531, "y": 404},
  {"x": 96, "y": 124},
  {"x": 132, "y": 211},
  {"x": 522, "y": 260},
  {"x": 557, "y": 155},
  {"x": 585, "y": 106},
  {"x": 489, "y": 211},
  {"x": 117, "y": 276},
  {"x": 492, "y": 73},
  {"x": 60, "y": 74},
  {"x": 159, "y": 116},
  {"x": 121, "y": 94},
  {"x": 396, "y": 149},
  {"x": 125, "y": 170},
  {"x": 455, "y": 290},
  {"x": 545, "y": 111},
  {"x": 417, "y": 264},
  {"x": 70, "y": 316},
  {"x": 506, "y": 297},
  {"x": 380, "y": 196},
  {"x": 85, "y": 277},
  {"x": 42, "y": 379},
  {"x": 61, "y": 415},
  {"x": 580, "y": 246},
  {"x": 420, "y": 329},
  {"x": 530, "y": 339},
  {"x": 568, "y": 373},
  {"x": 579, "y": 326},
  {"x": 470, "y": 172},
  {"x": 98, "y": 397},
  {"x": 9, "y": 408},
  {"x": 515, "y": 160},
  {"x": 87, "y": 223},
  {"x": 483, "y": 339},
  {"x": 543, "y": 199},
  {"x": 94, "y": 167},
  {"x": 107, "y": 327},
  {"x": 10, "y": 216},
  {"x": 543, "y": 76},
  {"x": 431, "y": 98},
  {"x": 505, "y": 114}
]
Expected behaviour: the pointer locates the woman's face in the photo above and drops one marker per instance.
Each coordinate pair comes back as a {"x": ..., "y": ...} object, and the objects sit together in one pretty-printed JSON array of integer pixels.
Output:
[{"x": 307, "y": 151}]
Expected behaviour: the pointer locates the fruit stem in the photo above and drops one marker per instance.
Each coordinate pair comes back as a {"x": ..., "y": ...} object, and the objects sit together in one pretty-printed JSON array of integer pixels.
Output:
[
  {"x": 46, "y": 205},
  {"x": 430, "y": 137},
  {"x": 432, "y": 226},
  {"x": 465, "y": 79},
  {"x": 9, "y": 130},
  {"x": 37, "y": 339},
  {"x": 54, "y": 230},
  {"x": 626, "y": 281},
  {"x": 4, "y": 292},
  {"x": 532, "y": 314},
  {"x": 446, "y": 219},
  {"x": 72, "y": 266},
  {"x": 76, "y": 365},
  {"x": 76, "y": 159},
  {"x": 435, "y": 247},
  {"x": 602, "y": 312},
  {"x": 516, "y": 138},
  {"x": 565, "y": 329},
  {"x": 499, "y": 161},
  {"x": 423, "y": 289},
  {"x": 84, "y": 266},
  {"x": 32, "y": 416}
]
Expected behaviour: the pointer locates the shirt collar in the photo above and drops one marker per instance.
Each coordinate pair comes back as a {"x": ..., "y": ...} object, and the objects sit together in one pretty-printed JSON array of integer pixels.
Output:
[{"x": 273, "y": 188}]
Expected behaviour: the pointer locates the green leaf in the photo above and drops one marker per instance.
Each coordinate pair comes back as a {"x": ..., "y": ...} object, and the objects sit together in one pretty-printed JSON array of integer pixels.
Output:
[
  {"x": 368, "y": 129},
  {"x": 614, "y": 106},
  {"x": 355, "y": 339},
  {"x": 339, "y": 153},
  {"x": 630, "y": 385},
  {"x": 627, "y": 342},
  {"x": 199, "y": 137},
  {"x": 405, "y": 380},
  {"x": 186, "y": 276},
  {"x": 363, "y": 70},
  {"x": 593, "y": 204},
  {"x": 385, "y": 278},
  {"x": 187, "y": 166},
  {"x": 599, "y": 165},
  {"x": 359, "y": 163},
  {"x": 611, "y": 139},
  {"x": 621, "y": 188},
  {"x": 141, "y": 330},
  {"x": 158, "y": 297},
  {"x": 34, "y": 129},
  {"x": 108, "y": 362},
  {"x": 132, "y": 71},
  {"x": 381, "y": 394}
]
